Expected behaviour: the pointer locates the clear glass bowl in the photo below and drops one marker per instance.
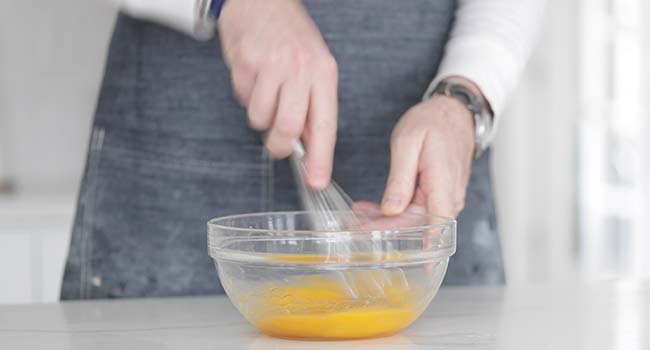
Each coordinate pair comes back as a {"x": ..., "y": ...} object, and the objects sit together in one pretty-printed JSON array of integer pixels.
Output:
[{"x": 293, "y": 282}]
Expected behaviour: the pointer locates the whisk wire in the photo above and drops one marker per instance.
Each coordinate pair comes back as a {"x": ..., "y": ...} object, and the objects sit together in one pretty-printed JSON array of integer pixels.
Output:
[{"x": 330, "y": 211}]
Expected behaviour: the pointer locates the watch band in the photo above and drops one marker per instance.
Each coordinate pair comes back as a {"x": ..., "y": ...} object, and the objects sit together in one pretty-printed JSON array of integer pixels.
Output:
[
  {"x": 482, "y": 117},
  {"x": 207, "y": 13},
  {"x": 215, "y": 8},
  {"x": 461, "y": 93},
  {"x": 204, "y": 22}
]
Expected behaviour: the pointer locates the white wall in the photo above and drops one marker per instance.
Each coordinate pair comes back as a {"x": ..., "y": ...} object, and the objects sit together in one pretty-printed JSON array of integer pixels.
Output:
[
  {"x": 51, "y": 60},
  {"x": 535, "y": 159}
]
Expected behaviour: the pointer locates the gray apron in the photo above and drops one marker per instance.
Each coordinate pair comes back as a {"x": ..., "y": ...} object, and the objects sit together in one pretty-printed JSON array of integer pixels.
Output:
[{"x": 170, "y": 149}]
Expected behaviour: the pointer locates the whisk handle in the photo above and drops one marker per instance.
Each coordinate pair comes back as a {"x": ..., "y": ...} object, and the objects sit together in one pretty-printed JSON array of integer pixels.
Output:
[{"x": 298, "y": 149}]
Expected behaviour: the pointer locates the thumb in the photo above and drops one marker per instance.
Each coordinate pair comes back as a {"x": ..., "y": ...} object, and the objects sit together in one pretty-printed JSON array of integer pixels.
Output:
[{"x": 404, "y": 157}]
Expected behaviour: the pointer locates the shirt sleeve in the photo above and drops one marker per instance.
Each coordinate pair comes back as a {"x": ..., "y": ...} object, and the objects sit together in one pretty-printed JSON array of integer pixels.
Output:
[
  {"x": 181, "y": 15},
  {"x": 489, "y": 44}
]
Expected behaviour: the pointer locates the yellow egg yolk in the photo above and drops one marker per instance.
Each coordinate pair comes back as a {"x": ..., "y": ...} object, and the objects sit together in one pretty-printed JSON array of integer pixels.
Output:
[
  {"x": 353, "y": 324},
  {"x": 319, "y": 307}
]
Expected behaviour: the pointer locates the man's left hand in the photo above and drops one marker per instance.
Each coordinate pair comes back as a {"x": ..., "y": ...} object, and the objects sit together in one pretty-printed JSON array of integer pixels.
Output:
[{"x": 432, "y": 148}]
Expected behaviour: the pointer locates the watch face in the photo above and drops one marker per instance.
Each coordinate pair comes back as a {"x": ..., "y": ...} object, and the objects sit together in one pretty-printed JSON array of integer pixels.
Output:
[
  {"x": 463, "y": 94},
  {"x": 481, "y": 127}
]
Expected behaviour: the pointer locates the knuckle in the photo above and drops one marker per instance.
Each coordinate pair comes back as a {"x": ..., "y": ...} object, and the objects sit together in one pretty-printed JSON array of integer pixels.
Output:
[
  {"x": 288, "y": 128},
  {"x": 241, "y": 76},
  {"x": 327, "y": 65},
  {"x": 245, "y": 60},
  {"x": 406, "y": 135},
  {"x": 398, "y": 131},
  {"x": 238, "y": 77},
  {"x": 395, "y": 139},
  {"x": 398, "y": 141},
  {"x": 278, "y": 150},
  {"x": 257, "y": 113},
  {"x": 289, "y": 58},
  {"x": 239, "y": 91},
  {"x": 256, "y": 125},
  {"x": 258, "y": 122},
  {"x": 301, "y": 57}
]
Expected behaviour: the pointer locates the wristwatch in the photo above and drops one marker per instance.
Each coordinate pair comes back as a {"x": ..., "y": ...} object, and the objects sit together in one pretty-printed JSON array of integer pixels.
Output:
[
  {"x": 483, "y": 118},
  {"x": 207, "y": 14},
  {"x": 215, "y": 8}
]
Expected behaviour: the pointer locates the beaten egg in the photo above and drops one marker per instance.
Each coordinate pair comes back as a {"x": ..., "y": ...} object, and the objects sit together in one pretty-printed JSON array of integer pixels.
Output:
[{"x": 358, "y": 304}]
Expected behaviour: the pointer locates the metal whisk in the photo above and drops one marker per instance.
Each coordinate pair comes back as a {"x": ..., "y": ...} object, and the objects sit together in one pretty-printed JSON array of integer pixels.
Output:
[
  {"x": 330, "y": 210},
  {"x": 325, "y": 206}
]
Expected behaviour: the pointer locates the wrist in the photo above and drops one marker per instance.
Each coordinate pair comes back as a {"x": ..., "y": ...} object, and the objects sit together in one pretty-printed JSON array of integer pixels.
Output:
[
  {"x": 455, "y": 117},
  {"x": 470, "y": 97},
  {"x": 473, "y": 88}
]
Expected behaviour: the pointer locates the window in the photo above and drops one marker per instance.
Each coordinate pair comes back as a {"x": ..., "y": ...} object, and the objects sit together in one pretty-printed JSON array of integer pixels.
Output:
[{"x": 613, "y": 154}]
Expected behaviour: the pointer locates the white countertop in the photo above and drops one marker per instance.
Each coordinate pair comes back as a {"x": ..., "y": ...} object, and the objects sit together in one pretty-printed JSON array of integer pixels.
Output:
[{"x": 595, "y": 316}]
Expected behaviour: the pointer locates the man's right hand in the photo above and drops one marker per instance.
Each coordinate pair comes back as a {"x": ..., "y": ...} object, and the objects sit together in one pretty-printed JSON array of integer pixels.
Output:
[{"x": 285, "y": 76}]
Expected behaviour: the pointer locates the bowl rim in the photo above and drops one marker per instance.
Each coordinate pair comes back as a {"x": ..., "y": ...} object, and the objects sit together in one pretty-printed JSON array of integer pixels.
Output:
[
  {"x": 219, "y": 236},
  {"x": 447, "y": 222}
]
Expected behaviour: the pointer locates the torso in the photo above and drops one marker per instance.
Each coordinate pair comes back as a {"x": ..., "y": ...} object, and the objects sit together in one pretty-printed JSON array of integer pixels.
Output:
[{"x": 171, "y": 148}]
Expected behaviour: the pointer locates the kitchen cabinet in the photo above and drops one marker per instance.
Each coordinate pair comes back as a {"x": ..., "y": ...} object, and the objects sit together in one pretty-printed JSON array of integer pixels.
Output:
[{"x": 34, "y": 237}]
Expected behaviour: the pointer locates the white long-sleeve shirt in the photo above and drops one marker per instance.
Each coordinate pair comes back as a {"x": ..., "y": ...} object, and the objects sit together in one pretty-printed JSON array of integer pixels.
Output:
[{"x": 489, "y": 44}]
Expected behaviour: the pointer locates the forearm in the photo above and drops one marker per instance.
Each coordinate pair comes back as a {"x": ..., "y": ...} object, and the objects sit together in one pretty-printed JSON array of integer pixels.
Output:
[{"x": 490, "y": 44}]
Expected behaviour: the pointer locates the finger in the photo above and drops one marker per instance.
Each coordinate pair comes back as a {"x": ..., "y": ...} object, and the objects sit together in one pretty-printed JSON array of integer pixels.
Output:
[
  {"x": 365, "y": 206},
  {"x": 243, "y": 81},
  {"x": 322, "y": 124},
  {"x": 404, "y": 155},
  {"x": 438, "y": 204},
  {"x": 440, "y": 200},
  {"x": 263, "y": 101},
  {"x": 289, "y": 119},
  {"x": 420, "y": 198},
  {"x": 441, "y": 186},
  {"x": 396, "y": 221},
  {"x": 415, "y": 208},
  {"x": 365, "y": 212}
]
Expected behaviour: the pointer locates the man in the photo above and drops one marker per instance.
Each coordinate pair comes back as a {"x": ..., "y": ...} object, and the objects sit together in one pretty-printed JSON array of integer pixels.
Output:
[{"x": 171, "y": 147}]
